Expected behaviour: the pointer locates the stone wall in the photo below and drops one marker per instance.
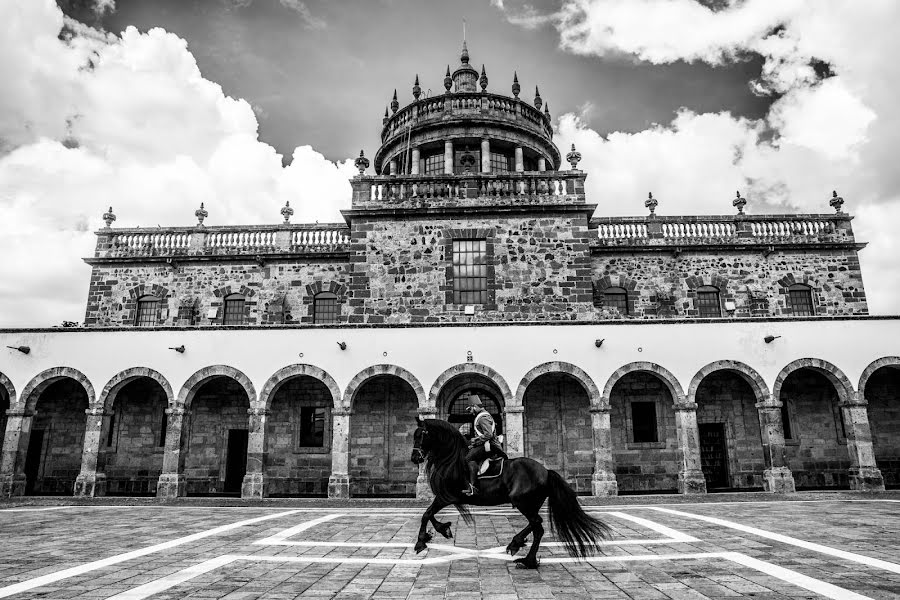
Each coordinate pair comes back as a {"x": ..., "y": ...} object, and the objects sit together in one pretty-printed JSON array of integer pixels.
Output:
[
  {"x": 276, "y": 292},
  {"x": 539, "y": 269},
  {"x": 883, "y": 393},
  {"x": 660, "y": 284},
  {"x": 817, "y": 452},
  {"x": 219, "y": 405},
  {"x": 60, "y": 414},
  {"x": 381, "y": 439},
  {"x": 292, "y": 469},
  {"x": 724, "y": 397},
  {"x": 645, "y": 466},
  {"x": 133, "y": 461},
  {"x": 558, "y": 428}
]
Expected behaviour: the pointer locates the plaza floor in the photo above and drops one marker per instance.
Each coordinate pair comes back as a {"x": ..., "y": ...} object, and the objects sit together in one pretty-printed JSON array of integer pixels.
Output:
[{"x": 819, "y": 548}]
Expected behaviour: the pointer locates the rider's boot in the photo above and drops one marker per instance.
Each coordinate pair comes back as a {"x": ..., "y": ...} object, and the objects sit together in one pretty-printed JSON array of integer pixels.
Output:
[{"x": 473, "y": 479}]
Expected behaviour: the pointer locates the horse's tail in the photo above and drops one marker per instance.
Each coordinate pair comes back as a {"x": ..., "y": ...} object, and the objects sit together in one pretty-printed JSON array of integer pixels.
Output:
[
  {"x": 465, "y": 514},
  {"x": 579, "y": 531}
]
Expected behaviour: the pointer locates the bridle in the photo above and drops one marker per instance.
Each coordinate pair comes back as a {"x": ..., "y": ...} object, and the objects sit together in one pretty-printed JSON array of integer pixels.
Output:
[{"x": 417, "y": 451}]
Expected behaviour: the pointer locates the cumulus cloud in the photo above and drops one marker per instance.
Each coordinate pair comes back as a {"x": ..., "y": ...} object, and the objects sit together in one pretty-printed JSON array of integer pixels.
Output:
[
  {"x": 89, "y": 121},
  {"x": 835, "y": 124}
]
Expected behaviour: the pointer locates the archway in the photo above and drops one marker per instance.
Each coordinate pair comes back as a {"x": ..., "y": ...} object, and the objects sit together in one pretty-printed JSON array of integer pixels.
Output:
[
  {"x": 381, "y": 437},
  {"x": 882, "y": 392},
  {"x": 216, "y": 454},
  {"x": 452, "y": 398},
  {"x": 644, "y": 437},
  {"x": 557, "y": 427}
]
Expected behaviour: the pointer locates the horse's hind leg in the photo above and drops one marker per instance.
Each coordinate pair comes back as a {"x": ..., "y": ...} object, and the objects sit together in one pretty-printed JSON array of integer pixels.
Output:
[
  {"x": 518, "y": 541},
  {"x": 529, "y": 561},
  {"x": 441, "y": 527}
]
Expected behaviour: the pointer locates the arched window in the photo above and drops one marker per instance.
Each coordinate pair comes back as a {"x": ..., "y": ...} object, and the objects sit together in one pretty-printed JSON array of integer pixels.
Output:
[
  {"x": 147, "y": 311},
  {"x": 325, "y": 308},
  {"x": 617, "y": 298},
  {"x": 801, "y": 300},
  {"x": 459, "y": 416},
  {"x": 234, "y": 310},
  {"x": 708, "y": 302}
]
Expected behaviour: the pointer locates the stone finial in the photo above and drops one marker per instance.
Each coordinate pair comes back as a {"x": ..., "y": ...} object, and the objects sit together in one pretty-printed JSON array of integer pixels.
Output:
[
  {"x": 394, "y": 104},
  {"x": 361, "y": 163},
  {"x": 109, "y": 217},
  {"x": 836, "y": 202},
  {"x": 651, "y": 203},
  {"x": 287, "y": 211},
  {"x": 483, "y": 80},
  {"x": 464, "y": 55},
  {"x": 573, "y": 157},
  {"x": 516, "y": 88},
  {"x": 537, "y": 98},
  {"x": 417, "y": 89},
  {"x": 739, "y": 203},
  {"x": 201, "y": 213},
  {"x": 385, "y": 119},
  {"x": 547, "y": 110},
  {"x": 448, "y": 81}
]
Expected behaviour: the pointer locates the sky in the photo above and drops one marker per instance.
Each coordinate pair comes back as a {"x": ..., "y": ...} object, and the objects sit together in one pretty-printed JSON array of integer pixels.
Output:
[{"x": 154, "y": 107}]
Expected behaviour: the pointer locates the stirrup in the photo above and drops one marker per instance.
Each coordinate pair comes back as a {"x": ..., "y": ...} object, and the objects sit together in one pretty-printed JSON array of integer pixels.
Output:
[{"x": 471, "y": 490}]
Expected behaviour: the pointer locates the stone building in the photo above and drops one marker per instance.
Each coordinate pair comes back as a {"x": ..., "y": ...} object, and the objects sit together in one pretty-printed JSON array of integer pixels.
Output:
[{"x": 639, "y": 354}]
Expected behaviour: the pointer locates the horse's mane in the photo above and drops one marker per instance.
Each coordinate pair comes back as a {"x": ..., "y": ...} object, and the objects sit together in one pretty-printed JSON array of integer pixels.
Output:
[{"x": 446, "y": 465}]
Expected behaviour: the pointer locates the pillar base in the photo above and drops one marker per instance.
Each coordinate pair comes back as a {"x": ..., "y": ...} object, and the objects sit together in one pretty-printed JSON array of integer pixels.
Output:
[
  {"x": 779, "y": 480},
  {"x": 339, "y": 487},
  {"x": 423, "y": 488},
  {"x": 171, "y": 485},
  {"x": 12, "y": 486},
  {"x": 604, "y": 487},
  {"x": 255, "y": 486},
  {"x": 866, "y": 479},
  {"x": 691, "y": 482},
  {"x": 90, "y": 485}
]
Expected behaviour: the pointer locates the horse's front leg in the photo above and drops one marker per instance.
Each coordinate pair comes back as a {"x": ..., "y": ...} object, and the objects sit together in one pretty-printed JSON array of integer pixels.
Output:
[
  {"x": 441, "y": 527},
  {"x": 519, "y": 540},
  {"x": 529, "y": 561},
  {"x": 424, "y": 536}
]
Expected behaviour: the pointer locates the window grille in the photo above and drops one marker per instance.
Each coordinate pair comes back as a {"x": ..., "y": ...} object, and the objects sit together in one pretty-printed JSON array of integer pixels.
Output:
[
  {"x": 434, "y": 164},
  {"x": 616, "y": 298},
  {"x": 312, "y": 426},
  {"x": 708, "y": 302},
  {"x": 186, "y": 314},
  {"x": 325, "y": 308},
  {"x": 499, "y": 163},
  {"x": 470, "y": 272},
  {"x": 148, "y": 312},
  {"x": 459, "y": 416},
  {"x": 643, "y": 422},
  {"x": 801, "y": 300},
  {"x": 234, "y": 310}
]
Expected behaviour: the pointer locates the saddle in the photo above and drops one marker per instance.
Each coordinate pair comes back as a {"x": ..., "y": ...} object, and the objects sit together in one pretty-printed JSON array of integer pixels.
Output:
[{"x": 491, "y": 467}]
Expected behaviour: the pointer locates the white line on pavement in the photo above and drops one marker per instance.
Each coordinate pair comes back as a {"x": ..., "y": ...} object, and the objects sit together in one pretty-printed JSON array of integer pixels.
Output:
[
  {"x": 279, "y": 538},
  {"x": 30, "y": 584},
  {"x": 160, "y": 585},
  {"x": 784, "y": 539},
  {"x": 674, "y": 535}
]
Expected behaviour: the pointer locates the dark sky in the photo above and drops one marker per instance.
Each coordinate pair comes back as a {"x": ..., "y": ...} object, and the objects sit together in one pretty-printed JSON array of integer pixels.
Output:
[{"x": 325, "y": 79}]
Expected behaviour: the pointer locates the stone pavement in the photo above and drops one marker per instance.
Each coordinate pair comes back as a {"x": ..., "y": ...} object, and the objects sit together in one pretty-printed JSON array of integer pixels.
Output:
[{"x": 830, "y": 548}]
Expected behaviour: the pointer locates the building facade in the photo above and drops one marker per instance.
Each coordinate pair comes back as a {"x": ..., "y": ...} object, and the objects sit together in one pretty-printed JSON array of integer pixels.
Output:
[{"x": 638, "y": 354}]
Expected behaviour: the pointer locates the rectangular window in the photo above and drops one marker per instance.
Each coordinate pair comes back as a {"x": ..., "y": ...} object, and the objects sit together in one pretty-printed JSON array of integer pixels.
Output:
[
  {"x": 801, "y": 303},
  {"x": 325, "y": 308},
  {"x": 617, "y": 300},
  {"x": 148, "y": 311},
  {"x": 186, "y": 314},
  {"x": 499, "y": 163},
  {"x": 708, "y": 304},
  {"x": 312, "y": 426},
  {"x": 470, "y": 272},
  {"x": 234, "y": 311},
  {"x": 434, "y": 164},
  {"x": 643, "y": 422}
]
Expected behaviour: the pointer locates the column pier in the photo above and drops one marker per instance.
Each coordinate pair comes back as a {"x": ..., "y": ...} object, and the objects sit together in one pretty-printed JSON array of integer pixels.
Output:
[
  {"x": 542, "y": 164},
  {"x": 520, "y": 160},
  {"x": 448, "y": 157},
  {"x": 414, "y": 163},
  {"x": 514, "y": 433},
  {"x": 690, "y": 478},
  {"x": 255, "y": 484},
  {"x": 865, "y": 476},
  {"x": 423, "y": 487},
  {"x": 89, "y": 482},
  {"x": 172, "y": 482},
  {"x": 603, "y": 481},
  {"x": 777, "y": 476},
  {"x": 339, "y": 480},
  {"x": 393, "y": 166},
  {"x": 15, "y": 447},
  {"x": 485, "y": 156}
]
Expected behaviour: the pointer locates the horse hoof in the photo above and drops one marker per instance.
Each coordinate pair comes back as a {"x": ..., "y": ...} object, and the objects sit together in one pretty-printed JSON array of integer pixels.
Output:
[
  {"x": 511, "y": 550},
  {"x": 419, "y": 547},
  {"x": 444, "y": 530},
  {"x": 525, "y": 563}
]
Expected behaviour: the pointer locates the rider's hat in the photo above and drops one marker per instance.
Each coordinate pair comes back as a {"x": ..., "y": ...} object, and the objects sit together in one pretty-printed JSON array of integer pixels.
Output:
[{"x": 474, "y": 400}]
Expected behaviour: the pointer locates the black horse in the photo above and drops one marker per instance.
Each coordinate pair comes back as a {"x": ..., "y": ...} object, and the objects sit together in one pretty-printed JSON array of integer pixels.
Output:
[{"x": 523, "y": 482}]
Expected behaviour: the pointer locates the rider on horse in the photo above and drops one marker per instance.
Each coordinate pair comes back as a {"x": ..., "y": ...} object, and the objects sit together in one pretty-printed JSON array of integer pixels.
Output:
[{"x": 483, "y": 445}]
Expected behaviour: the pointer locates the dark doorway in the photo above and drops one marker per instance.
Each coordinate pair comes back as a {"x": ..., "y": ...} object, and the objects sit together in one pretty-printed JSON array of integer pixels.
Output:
[
  {"x": 713, "y": 455},
  {"x": 33, "y": 459},
  {"x": 236, "y": 460}
]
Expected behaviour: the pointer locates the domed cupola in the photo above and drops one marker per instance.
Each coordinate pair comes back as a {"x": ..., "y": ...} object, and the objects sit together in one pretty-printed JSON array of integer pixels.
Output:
[{"x": 465, "y": 77}]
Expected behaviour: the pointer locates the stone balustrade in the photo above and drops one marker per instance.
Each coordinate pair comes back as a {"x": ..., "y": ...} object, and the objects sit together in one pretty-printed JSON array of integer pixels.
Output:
[
  {"x": 723, "y": 229},
  {"x": 251, "y": 240}
]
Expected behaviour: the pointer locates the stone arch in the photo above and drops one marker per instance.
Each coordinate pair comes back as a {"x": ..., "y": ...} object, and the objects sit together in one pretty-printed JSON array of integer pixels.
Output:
[
  {"x": 841, "y": 383},
  {"x": 374, "y": 371},
  {"x": 274, "y": 382},
  {"x": 42, "y": 380},
  {"x": 120, "y": 380},
  {"x": 670, "y": 381},
  {"x": 887, "y": 361},
  {"x": 10, "y": 389},
  {"x": 747, "y": 373},
  {"x": 190, "y": 387},
  {"x": 470, "y": 369},
  {"x": 590, "y": 388}
]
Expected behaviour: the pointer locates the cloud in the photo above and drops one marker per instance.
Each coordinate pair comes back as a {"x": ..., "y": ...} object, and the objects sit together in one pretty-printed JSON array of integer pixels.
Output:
[
  {"x": 89, "y": 121},
  {"x": 835, "y": 127},
  {"x": 311, "y": 20}
]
